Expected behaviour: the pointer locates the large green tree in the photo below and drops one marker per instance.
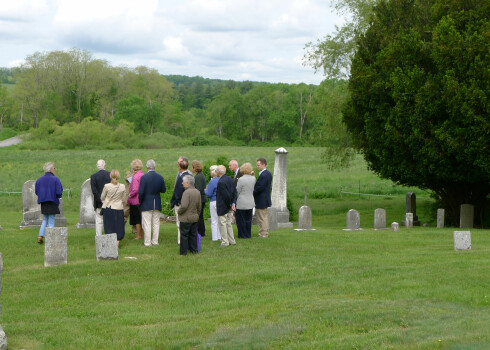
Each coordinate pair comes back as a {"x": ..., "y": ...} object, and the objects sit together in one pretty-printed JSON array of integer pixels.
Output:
[{"x": 418, "y": 108}]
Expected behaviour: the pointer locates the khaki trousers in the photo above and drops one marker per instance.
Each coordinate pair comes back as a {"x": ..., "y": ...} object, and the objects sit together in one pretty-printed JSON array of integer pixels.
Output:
[
  {"x": 262, "y": 216},
  {"x": 225, "y": 229},
  {"x": 99, "y": 222},
  {"x": 150, "y": 219}
]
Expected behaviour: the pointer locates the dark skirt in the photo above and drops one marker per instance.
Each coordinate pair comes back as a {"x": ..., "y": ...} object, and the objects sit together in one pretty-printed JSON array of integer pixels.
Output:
[
  {"x": 49, "y": 208},
  {"x": 134, "y": 214},
  {"x": 244, "y": 223},
  {"x": 114, "y": 222}
]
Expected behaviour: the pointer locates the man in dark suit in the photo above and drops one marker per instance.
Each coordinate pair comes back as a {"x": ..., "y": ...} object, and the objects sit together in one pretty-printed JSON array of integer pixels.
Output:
[
  {"x": 97, "y": 182},
  {"x": 225, "y": 203},
  {"x": 262, "y": 197},
  {"x": 182, "y": 164},
  {"x": 151, "y": 185}
]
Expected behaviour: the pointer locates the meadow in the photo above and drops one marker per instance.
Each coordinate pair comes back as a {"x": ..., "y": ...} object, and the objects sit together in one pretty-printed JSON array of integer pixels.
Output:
[{"x": 323, "y": 289}]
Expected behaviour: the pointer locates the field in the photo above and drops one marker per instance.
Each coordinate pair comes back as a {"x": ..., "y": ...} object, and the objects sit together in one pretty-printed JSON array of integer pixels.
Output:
[{"x": 304, "y": 290}]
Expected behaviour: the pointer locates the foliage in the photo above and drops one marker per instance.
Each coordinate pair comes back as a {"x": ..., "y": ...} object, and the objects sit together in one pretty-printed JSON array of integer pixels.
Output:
[
  {"x": 333, "y": 53},
  {"x": 419, "y": 98}
]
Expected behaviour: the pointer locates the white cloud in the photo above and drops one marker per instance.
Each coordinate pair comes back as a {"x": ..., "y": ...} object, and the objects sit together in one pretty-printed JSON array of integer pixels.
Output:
[{"x": 240, "y": 39}]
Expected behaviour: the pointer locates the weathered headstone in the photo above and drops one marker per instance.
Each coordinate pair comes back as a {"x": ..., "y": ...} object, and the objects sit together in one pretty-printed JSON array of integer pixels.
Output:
[
  {"x": 380, "y": 219},
  {"x": 272, "y": 218},
  {"x": 305, "y": 216},
  {"x": 411, "y": 207},
  {"x": 353, "y": 220},
  {"x": 467, "y": 215},
  {"x": 395, "y": 227},
  {"x": 3, "y": 337},
  {"x": 106, "y": 247},
  {"x": 408, "y": 220},
  {"x": 462, "y": 240},
  {"x": 31, "y": 210},
  {"x": 440, "y": 218},
  {"x": 56, "y": 246},
  {"x": 279, "y": 188},
  {"x": 86, "y": 218}
]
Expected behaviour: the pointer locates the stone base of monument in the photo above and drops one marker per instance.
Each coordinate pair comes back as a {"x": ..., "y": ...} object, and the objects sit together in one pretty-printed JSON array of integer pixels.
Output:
[
  {"x": 79, "y": 225},
  {"x": 3, "y": 339},
  {"x": 35, "y": 219},
  {"x": 106, "y": 247},
  {"x": 56, "y": 246},
  {"x": 283, "y": 219},
  {"x": 462, "y": 240},
  {"x": 415, "y": 221}
]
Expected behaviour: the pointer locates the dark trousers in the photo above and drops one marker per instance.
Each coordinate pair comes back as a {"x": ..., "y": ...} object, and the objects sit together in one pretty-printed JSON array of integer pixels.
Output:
[
  {"x": 188, "y": 236},
  {"x": 200, "y": 223},
  {"x": 244, "y": 223}
]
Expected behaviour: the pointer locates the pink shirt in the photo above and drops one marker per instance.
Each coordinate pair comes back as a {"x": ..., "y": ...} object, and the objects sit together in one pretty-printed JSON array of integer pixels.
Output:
[{"x": 134, "y": 187}]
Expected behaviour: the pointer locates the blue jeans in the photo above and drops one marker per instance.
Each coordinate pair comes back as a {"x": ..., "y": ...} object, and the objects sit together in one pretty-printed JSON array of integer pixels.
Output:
[{"x": 49, "y": 221}]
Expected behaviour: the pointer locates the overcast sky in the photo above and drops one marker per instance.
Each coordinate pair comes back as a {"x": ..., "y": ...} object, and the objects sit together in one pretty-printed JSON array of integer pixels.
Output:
[{"x": 258, "y": 40}]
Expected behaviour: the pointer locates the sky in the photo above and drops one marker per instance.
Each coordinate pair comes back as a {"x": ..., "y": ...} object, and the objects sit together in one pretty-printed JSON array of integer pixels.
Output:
[{"x": 220, "y": 39}]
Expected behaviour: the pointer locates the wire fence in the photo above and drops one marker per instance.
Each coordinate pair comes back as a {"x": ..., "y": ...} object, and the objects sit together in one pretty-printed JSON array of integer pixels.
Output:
[{"x": 68, "y": 190}]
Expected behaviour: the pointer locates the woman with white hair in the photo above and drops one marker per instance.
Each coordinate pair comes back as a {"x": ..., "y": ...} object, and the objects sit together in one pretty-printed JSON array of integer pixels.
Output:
[
  {"x": 210, "y": 191},
  {"x": 133, "y": 198},
  {"x": 49, "y": 191}
]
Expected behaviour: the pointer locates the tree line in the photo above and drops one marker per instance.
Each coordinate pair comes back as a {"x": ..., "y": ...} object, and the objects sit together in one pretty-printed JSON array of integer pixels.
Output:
[{"x": 62, "y": 87}]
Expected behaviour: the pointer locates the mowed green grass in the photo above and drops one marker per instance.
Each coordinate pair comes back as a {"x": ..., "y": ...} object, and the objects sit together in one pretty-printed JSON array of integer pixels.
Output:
[{"x": 327, "y": 288}]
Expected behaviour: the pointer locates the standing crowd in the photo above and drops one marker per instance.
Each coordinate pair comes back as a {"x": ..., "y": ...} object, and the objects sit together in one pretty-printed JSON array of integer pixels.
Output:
[{"x": 231, "y": 200}]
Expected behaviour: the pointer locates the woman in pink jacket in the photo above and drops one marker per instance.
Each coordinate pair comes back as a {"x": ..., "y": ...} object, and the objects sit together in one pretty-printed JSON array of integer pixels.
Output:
[{"x": 133, "y": 200}]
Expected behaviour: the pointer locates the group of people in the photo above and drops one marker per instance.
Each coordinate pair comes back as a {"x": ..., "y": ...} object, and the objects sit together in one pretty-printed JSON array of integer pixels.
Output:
[{"x": 231, "y": 199}]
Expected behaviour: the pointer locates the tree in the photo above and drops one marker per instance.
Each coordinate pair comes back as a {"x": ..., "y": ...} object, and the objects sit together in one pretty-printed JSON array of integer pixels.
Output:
[
  {"x": 333, "y": 53},
  {"x": 419, "y": 91}
]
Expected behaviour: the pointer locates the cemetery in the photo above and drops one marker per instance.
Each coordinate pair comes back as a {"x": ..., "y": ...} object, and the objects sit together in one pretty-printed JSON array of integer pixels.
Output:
[{"x": 338, "y": 269}]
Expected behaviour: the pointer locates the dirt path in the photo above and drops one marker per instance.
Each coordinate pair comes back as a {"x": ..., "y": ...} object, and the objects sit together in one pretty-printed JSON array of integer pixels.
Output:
[{"x": 11, "y": 141}]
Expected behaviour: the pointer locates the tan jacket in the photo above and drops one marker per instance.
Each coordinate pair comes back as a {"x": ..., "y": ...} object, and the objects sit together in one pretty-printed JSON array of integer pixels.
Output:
[
  {"x": 112, "y": 196},
  {"x": 190, "y": 205}
]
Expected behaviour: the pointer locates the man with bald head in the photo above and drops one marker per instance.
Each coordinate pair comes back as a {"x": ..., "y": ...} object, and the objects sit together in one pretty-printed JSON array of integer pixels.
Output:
[{"x": 97, "y": 183}]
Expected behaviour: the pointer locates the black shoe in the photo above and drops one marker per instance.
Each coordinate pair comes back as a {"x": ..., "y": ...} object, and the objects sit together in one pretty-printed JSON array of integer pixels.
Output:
[{"x": 40, "y": 240}]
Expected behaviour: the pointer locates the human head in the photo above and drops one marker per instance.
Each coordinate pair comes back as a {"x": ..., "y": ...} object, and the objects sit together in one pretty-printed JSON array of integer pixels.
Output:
[
  {"x": 115, "y": 176},
  {"x": 212, "y": 170},
  {"x": 183, "y": 163},
  {"x": 48, "y": 167},
  {"x": 196, "y": 166},
  {"x": 136, "y": 165},
  {"x": 246, "y": 169},
  {"x": 233, "y": 165},
  {"x": 150, "y": 164},
  {"x": 101, "y": 164},
  {"x": 261, "y": 164},
  {"x": 220, "y": 170},
  {"x": 188, "y": 181}
]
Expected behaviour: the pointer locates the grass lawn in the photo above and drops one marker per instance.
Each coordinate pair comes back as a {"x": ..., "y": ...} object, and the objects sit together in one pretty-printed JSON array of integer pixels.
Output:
[{"x": 312, "y": 289}]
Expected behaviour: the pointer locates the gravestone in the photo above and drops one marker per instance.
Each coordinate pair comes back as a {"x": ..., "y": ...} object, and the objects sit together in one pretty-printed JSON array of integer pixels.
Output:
[
  {"x": 467, "y": 214},
  {"x": 56, "y": 246},
  {"x": 410, "y": 207},
  {"x": 440, "y": 218},
  {"x": 3, "y": 337},
  {"x": 279, "y": 188},
  {"x": 106, "y": 247},
  {"x": 272, "y": 212},
  {"x": 409, "y": 220},
  {"x": 353, "y": 220},
  {"x": 395, "y": 227},
  {"x": 380, "y": 219},
  {"x": 31, "y": 210},
  {"x": 305, "y": 216},
  {"x": 86, "y": 218},
  {"x": 462, "y": 240}
]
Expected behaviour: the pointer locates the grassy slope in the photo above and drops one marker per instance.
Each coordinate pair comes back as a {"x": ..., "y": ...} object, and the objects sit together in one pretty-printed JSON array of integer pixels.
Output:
[{"x": 320, "y": 289}]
